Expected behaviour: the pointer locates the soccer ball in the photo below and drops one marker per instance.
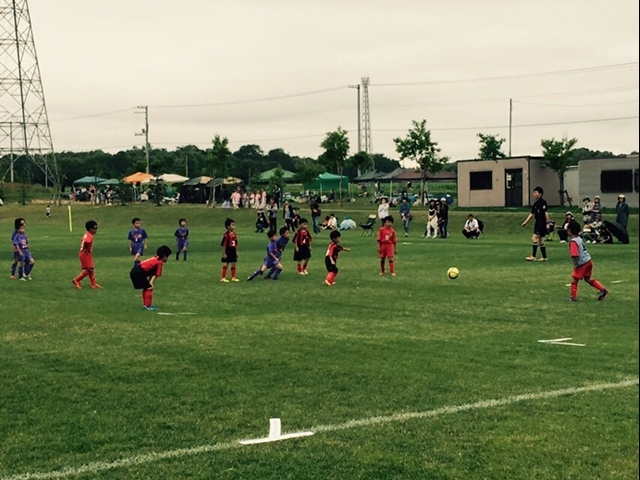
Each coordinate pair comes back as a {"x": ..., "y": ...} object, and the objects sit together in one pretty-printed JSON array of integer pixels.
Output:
[{"x": 453, "y": 273}]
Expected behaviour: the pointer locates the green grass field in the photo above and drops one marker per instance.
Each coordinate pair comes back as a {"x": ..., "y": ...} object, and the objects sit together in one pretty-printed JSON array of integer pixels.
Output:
[{"x": 415, "y": 377}]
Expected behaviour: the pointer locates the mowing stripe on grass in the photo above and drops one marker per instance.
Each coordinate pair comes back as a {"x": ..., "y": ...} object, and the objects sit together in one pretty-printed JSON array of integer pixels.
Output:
[{"x": 95, "y": 467}]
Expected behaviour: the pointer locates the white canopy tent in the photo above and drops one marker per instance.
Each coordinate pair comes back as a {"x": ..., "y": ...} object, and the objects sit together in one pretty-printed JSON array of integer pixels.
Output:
[{"x": 168, "y": 178}]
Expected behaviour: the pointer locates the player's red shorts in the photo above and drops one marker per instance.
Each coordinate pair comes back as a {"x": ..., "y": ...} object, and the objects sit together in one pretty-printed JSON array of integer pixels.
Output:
[
  {"x": 583, "y": 271},
  {"x": 86, "y": 261},
  {"x": 386, "y": 250}
]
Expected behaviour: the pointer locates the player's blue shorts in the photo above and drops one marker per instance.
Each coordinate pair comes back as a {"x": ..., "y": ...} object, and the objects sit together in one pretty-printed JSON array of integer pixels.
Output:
[
  {"x": 16, "y": 256},
  {"x": 271, "y": 262},
  {"x": 137, "y": 249},
  {"x": 26, "y": 256},
  {"x": 182, "y": 244}
]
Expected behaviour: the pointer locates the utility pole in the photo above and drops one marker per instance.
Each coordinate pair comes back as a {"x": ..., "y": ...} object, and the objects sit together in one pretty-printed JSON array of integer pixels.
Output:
[
  {"x": 510, "y": 120},
  {"x": 357, "y": 87},
  {"x": 145, "y": 131},
  {"x": 366, "y": 116}
]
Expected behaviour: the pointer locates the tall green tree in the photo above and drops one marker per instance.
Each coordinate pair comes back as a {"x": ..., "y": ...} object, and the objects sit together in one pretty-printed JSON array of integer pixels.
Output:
[
  {"x": 558, "y": 155},
  {"x": 308, "y": 169},
  {"x": 336, "y": 149},
  {"x": 218, "y": 159},
  {"x": 361, "y": 161},
  {"x": 420, "y": 148},
  {"x": 490, "y": 147}
]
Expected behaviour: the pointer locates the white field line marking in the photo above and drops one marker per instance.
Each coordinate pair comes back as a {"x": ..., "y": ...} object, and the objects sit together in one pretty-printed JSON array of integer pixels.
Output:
[
  {"x": 617, "y": 281},
  {"x": 178, "y": 313},
  {"x": 568, "y": 343},
  {"x": 95, "y": 467},
  {"x": 555, "y": 340}
]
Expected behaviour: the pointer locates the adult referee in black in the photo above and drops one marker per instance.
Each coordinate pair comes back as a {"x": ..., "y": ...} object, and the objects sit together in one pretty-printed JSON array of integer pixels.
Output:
[{"x": 539, "y": 212}]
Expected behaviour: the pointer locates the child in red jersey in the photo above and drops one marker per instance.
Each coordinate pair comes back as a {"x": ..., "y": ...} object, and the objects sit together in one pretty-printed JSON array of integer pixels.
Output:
[
  {"x": 144, "y": 274},
  {"x": 387, "y": 245},
  {"x": 582, "y": 264},
  {"x": 302, "y": 244},
  {"x": 86, "y": 256},
  {"x": 331, "y": 258},
  {"x": 229, "y": 246}
]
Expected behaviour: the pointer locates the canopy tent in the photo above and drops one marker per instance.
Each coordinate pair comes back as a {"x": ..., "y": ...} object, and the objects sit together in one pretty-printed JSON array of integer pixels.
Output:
[
  {"x": 137, "y": 177},
  {"x": 327, "y": 181},
  {"x": 168, "y": 178},
  {"x": 369, "y": 176},
  {"x": 197, "y": 181},
  {"x": 89, "y": 180},
  {"x": 232, "y": 181},
  {"x": 110, "y": 181},
  {"x": 286, "y": 175}
]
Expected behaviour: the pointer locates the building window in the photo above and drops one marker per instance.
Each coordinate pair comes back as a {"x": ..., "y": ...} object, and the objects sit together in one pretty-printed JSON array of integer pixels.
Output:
[
  {"x": 636, "y": 181},
  {"x": 616, "y": 181},
  {"x": 481, "y": 180}
]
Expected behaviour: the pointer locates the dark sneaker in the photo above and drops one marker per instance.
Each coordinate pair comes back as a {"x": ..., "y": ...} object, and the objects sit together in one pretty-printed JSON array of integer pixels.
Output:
[
  {"x": 573, "y": 299},
  {"x": 603, "y": 295}
]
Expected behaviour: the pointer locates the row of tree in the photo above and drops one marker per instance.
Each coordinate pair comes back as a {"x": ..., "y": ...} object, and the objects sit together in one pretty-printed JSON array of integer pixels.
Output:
[{"x": 249, "y": 161}]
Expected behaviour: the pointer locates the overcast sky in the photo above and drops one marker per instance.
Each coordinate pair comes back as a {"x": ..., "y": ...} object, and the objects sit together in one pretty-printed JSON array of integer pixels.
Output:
[{"x": 276, "y": 73}]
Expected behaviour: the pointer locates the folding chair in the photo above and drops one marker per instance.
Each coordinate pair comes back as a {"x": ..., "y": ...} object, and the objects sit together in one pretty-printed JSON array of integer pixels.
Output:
[{"x": 369, "y": 226}]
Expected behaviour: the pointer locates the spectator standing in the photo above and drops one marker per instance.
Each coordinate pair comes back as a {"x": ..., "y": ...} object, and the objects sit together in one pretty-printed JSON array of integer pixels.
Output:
[
  {"x": 405, "y": 214},
  {"x": 443, "y": 217},
  {"x": 622, "y": 211},
  {"x": 315, "y": 215},
  {"x": 272, "y": 214},
  {"x": 383, "y": 210},
  {"x": 432, "y": 220}
]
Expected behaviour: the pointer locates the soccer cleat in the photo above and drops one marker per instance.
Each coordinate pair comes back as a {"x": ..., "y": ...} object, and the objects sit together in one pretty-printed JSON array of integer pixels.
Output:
[
  {"x": 76, "y": 284},
  {"x": 12, "y": 277},
  {"x": 28, "y": 277},
  {"x": 573, "y": 299},
  {"x": 150, "y": 308},
  {"x": 95, "y": 286},
  {"x": 23, "y": 279},
  {"x": 381, "y": 274},
  {"x": 300, "y": 273},
  {"x": 328, "y": 284},
  {"x": 543, "y": 259},
  {"x": 234, "y": 279},
  {"x": 530, "y": 258},
  {"x": 603, "y": 294},
  {"x": 224, "y": 280},
  {"x": 393, "y": 274},
  {"x": 305, "y": 272},
  {"x": 249, "y": 278}
]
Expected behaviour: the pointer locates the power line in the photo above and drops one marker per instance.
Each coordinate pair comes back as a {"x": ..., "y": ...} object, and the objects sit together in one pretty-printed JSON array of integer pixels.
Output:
[
  {"x": 561, "y": 105},
  {"x": 511, "y": 77},
  {"x": 92, "y": 115}
]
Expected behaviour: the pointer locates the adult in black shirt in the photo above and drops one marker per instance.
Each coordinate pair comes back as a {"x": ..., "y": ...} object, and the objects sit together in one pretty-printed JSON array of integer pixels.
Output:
[
  {"x": 539, "y": 212},
  {"x": 315, "y": 215}
]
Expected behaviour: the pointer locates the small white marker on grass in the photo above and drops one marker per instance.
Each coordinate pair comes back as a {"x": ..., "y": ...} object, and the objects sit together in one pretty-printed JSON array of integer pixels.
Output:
[
  {"x": 562, "y": 341},
  {"x": 178, "y": 313},
  {"x": 274, "y": 434}
]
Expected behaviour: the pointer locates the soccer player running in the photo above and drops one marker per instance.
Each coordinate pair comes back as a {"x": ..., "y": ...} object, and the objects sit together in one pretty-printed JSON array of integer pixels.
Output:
[
  {"x": 16, "y": 251},
  {"x": 137, "y": 240},
  {"x": 387, "y": 245},
  {"x": 541, "y": 215},
  {"x": 144, "y": 274},
  {"x": 302, "y": 245},
  {"x": 229, "y": 246},
  {"x": 281, "y": 243},
  {"x": 22, "y": 251},
  {"x": 331, "y": 258},
  {"x": 272, "y": 259},
  {"x": 86, "y": 256},
  {"x": 582, "y": 264},
  {"x": 182, "y": 239}
]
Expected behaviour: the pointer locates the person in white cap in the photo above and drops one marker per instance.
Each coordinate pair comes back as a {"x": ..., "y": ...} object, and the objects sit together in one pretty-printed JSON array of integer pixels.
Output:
[
  {"x": 622, "y": 211},
  {"x": 443, "y": 217}
]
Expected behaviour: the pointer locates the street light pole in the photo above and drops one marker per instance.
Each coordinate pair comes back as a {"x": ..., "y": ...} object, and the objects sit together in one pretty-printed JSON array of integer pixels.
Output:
[
  {"x": 357, "y": 87},
  {"x": 145, "y": 132}
]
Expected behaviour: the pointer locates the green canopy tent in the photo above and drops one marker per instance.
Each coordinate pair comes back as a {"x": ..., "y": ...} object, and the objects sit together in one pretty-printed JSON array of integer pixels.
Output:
[
  {"x": 326, "y": 182},
  {"x": 110, "y": 181},
  {"x": 287, "y": 176},
  {"x": 89, "y": 180}
]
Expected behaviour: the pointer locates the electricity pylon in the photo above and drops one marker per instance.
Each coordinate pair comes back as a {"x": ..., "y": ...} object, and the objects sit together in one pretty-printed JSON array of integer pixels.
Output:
[
  {"x": 366, "y": 119},
  {"x": 24, "y": 124}
]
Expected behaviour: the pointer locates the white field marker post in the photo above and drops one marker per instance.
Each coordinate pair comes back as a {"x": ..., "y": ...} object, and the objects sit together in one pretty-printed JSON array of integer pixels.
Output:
[
  {"x": 275, "y": 434},
  {"x": 562, "y": 341}
]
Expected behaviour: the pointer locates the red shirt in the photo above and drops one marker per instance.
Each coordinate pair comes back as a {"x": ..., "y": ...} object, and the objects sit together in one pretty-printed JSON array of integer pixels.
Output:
[
  {"x": 153, "y": 266},
  {"x": 86, "y": 246},
  {"x": 302, "y": 237},
  {"x": 333, "y": 251},
  {"x": 229, "y": 240},
  {"x": 387, "y": 235}
]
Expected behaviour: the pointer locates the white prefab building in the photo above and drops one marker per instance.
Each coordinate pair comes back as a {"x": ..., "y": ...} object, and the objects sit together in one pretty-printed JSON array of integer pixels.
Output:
[{"x": 609, "y": 177}]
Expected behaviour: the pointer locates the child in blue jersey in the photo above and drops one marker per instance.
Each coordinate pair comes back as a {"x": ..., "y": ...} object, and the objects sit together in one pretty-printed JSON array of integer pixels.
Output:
[
  {"x": 25, "y": 260},
  {"x": 182, "y": 239},
  {"x": 16, "y": 254},
  {"x": 281, "y": 243},
  {"x": 272, "y": 259},
  {"x": 137, "y": 240}
]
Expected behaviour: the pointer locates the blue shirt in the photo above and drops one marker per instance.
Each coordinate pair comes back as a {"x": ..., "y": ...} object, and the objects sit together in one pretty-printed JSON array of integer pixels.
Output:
[
  {"x": 281, "y": 243},
  {"x": 182, "y": 234},
  {"x": 137, "y": 236},
  {"x": 20, "y": 241}
]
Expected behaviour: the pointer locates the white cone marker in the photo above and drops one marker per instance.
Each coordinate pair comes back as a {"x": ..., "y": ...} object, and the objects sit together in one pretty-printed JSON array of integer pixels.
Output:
[{"x": 274, "y": 434}]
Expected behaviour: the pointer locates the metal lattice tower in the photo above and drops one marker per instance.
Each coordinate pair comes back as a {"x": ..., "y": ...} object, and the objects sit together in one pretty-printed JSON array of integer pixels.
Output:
[
  {"x": 24, "y": 125},
  {"x": 366, "y": 119}
]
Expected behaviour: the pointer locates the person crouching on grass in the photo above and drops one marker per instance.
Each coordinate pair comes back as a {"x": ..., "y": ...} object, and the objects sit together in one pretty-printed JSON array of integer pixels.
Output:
[
  {"x": 331, "y": 258},
  {"x": 86, "y": 256},
  {"x": 582, "y": 264},
  {"x": 144, "y": 274}
]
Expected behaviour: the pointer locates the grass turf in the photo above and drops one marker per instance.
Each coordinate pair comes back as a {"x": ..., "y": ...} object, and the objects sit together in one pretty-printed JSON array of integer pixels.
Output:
[{"x": 88, "y": 377}]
